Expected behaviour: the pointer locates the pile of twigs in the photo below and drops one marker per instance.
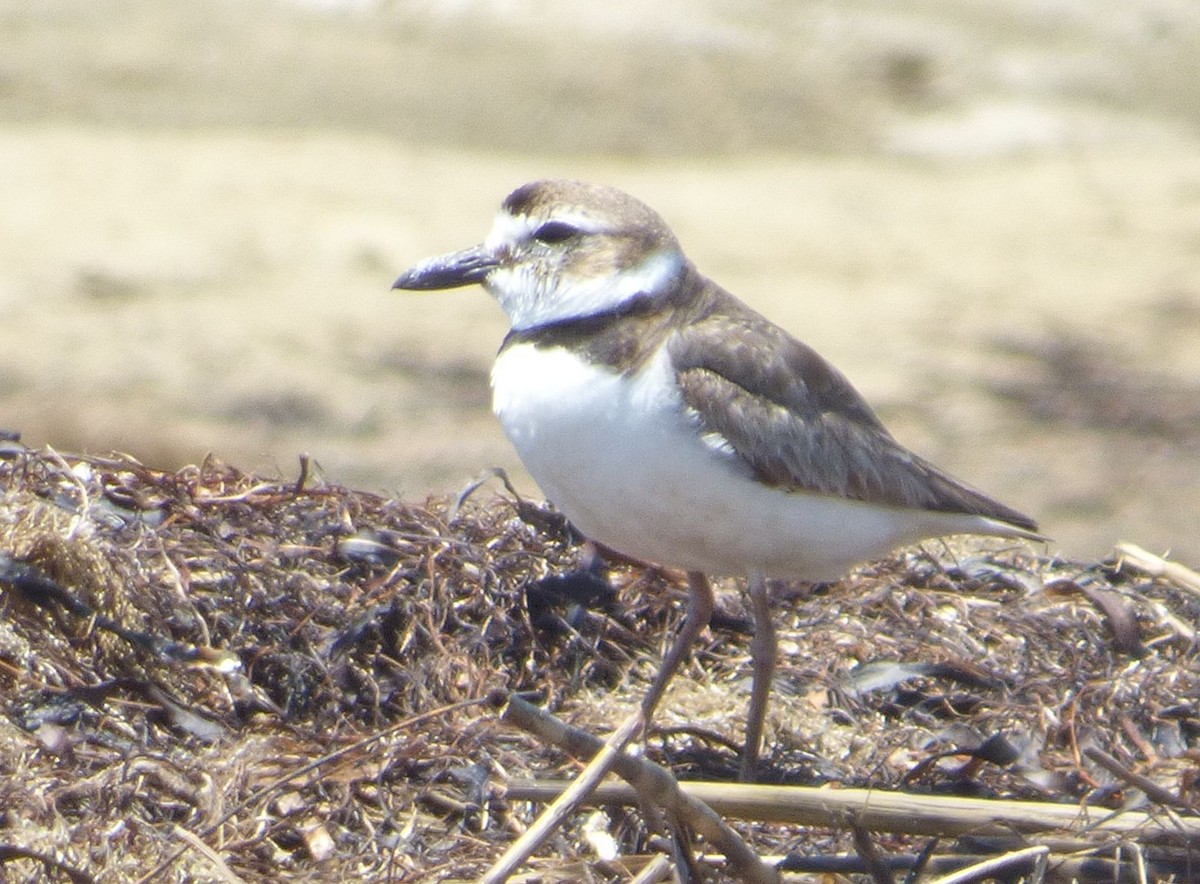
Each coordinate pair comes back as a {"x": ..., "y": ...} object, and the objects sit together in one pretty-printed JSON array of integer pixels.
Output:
[{"x": 208, "y": 675}]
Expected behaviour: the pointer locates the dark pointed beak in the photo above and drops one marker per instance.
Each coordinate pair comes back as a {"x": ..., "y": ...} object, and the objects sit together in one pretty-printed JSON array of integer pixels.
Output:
[{"x": 448, "y": 271}]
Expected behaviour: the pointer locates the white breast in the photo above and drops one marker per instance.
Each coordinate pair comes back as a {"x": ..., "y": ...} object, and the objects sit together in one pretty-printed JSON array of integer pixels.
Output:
[{"x": 622, "y": 459}]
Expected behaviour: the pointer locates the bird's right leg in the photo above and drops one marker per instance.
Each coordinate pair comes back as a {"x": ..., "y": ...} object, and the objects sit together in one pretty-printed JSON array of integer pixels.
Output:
[{"x": 700, "y": 610}]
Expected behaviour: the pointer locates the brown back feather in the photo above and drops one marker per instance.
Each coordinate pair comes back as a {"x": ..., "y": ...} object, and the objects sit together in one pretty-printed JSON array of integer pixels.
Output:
[{"x": 797, "y": 422}]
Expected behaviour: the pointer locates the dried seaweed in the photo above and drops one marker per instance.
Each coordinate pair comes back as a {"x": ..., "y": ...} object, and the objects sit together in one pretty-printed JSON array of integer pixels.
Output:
[{"x": 258, "y": 679}]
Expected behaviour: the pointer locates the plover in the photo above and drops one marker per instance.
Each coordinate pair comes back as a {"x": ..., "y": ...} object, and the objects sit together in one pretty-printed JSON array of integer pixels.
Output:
[{"x": 674, "y": 424}]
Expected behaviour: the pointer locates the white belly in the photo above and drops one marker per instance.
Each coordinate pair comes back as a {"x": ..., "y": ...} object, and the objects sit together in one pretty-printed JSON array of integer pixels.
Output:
[{"x": 621, "y": 460}]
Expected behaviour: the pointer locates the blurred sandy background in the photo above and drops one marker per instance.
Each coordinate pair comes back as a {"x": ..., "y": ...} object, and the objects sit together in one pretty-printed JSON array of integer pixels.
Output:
[{"x": 987, "y": 214}]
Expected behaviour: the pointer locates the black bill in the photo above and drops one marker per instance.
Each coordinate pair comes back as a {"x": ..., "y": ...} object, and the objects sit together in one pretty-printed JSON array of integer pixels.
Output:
[{"x": 448, "y": 271}]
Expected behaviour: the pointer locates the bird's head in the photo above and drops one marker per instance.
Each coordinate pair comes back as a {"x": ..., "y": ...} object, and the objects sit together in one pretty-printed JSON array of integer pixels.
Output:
[{"x": 562, "y": 250}]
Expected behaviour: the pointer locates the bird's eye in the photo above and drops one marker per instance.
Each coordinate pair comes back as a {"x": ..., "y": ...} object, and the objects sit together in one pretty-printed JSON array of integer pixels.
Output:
[{"x": 554, "y": 232}]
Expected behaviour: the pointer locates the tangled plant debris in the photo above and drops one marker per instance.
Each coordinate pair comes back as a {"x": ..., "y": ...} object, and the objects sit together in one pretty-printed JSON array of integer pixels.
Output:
[{"x": 208, "y": 675}]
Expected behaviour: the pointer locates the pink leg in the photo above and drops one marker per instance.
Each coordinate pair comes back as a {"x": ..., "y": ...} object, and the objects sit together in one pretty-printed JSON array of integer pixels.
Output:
[
  {"x": 762, "y": 657},
  {"x": 700, "y": 610}
]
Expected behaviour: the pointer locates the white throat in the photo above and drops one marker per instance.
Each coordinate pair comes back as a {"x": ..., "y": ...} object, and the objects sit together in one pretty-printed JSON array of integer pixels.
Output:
[
  {"x": 533, "y": 297},
  {"x": 532, "y": 300}
]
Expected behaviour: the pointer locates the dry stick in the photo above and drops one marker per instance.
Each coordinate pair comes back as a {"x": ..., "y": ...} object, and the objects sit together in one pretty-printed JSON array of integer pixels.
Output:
[
  {"x": 566, "y": 803},
  {"x": 1139, "y": 860},
  {"x": 1155, "y": 792},
  {"x": 876, "y": 864},
  {"x": 1156, "y": 566},
  {"x": 1067, "y": 867},
  {"x": 12, "y": 852},
  {"x": 279, "y": 783},
  {"x": 648, "y": 782},
  {"x": 986, "y": 869},
  {"x": 223, "y": 871},
  {"x": 894, "y": 811},
  {"x": 658, "y": 869},
  {"x": 922, "y": 861}
]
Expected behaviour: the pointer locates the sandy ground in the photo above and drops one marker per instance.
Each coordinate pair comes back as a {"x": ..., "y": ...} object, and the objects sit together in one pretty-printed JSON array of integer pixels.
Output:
[{"x": 990, "y": 220}]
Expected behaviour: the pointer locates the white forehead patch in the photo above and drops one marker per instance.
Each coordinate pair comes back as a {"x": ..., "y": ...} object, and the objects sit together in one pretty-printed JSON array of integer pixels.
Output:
[{"x": 509, "y": 229}]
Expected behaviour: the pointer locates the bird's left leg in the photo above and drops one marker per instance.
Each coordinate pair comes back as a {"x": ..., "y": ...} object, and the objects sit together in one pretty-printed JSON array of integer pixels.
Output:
[{"x": 762, "y": 658}]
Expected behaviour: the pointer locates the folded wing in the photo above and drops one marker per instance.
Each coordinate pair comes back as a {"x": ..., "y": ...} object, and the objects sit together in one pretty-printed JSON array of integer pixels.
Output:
[{"x": 796, "y": 423}]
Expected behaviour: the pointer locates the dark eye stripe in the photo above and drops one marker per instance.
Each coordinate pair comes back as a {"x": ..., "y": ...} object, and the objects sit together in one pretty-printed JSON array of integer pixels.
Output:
[{"x": 554, "y": 232}]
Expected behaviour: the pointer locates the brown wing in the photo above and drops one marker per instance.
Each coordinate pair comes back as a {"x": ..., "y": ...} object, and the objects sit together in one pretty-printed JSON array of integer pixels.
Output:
[{"x": 797, "y": 423}]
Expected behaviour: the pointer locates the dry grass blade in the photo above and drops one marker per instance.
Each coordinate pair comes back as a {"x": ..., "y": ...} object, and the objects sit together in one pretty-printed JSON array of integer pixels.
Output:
[
  {"x": 221, "y": 870},
  {"x": 50, "y": 865},
  {"x": 1144, "y": 560},
  {"x": 1060, "y": 867},
  {"x": 263, "y": 793},
  {"x": 658, "y": 869},
  {"x": 902, "y": 812},
  {"x": 1037, "y": 857}
]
